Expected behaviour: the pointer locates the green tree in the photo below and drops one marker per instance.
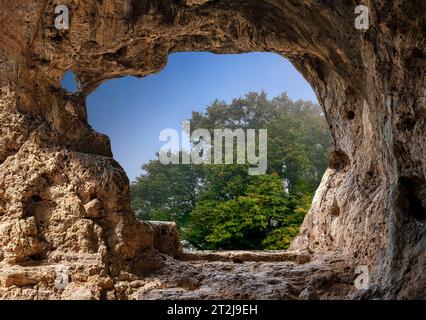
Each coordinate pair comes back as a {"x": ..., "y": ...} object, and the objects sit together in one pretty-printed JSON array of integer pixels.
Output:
[
  {"x": 221, "y": 206},
  {"x": 166, "y": 192},
  {"x": 243, "y": 221}
]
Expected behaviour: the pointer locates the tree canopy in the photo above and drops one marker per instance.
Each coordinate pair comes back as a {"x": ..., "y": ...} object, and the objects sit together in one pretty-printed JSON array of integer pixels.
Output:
[{"x": 222, "y": 206}]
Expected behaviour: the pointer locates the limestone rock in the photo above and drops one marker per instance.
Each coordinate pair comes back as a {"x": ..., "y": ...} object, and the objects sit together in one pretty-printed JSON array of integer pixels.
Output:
[
  {"x": 370, "y": 207},
  {"x": 309, "y": 294},
  {"x": 93, "y": 209},
  {"x": 166, "y": 238}
]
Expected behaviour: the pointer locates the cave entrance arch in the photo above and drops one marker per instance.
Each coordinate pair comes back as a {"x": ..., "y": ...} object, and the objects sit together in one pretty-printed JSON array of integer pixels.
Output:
[
  {"x": 133, "y": 112},
  {"x": 368, "y": 82}
]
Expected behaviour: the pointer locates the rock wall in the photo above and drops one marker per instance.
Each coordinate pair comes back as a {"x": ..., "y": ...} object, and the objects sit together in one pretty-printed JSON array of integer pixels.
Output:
[{"x": 65, "y": 201}]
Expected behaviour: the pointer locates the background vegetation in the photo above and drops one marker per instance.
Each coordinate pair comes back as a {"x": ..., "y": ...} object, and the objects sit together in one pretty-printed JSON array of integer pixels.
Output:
[{"x": 221, "y": 206}]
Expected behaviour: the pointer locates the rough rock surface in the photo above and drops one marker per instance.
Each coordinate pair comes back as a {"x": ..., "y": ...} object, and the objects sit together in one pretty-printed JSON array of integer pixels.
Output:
[
  {"x": 166, "y": 238},
  {"x": 251, "y": 276},
  {"x": 64, "y": 201}
]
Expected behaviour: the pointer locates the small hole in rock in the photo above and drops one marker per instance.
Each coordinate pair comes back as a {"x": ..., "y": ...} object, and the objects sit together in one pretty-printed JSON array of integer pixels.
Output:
[
  {"x": 335, "y": 209},
  {"x": 36, "y": 198},
  {"x": 406, "y": 124},
  {"x": 350, "y": 115},
  {"x": 339, "y": 160},
  {"x": 30, "y": 206},
  {"x": 69, "y": 82}
]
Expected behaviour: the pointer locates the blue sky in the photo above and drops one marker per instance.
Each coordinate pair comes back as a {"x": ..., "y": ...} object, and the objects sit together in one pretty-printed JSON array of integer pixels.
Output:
[{"x": 133, "y": 112}]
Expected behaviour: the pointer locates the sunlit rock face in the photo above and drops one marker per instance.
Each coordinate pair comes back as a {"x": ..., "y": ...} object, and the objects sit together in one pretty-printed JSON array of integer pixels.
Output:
[{"x": 64, "y": 201}]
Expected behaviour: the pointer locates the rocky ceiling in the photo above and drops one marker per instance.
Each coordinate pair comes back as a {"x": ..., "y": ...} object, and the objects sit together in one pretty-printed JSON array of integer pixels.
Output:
[{"x": 64, "y": 201}]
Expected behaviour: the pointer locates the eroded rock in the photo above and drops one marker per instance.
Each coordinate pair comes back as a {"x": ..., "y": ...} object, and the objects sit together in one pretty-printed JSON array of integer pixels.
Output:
[
  {"x": 167, "y": 239},
  {"x": 63, "y": 199}
]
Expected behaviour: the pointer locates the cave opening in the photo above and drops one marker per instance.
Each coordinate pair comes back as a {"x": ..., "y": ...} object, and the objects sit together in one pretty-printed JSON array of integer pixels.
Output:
[
  {"x": 376, "y": 73},
  {"x": 257, "y": 89}
]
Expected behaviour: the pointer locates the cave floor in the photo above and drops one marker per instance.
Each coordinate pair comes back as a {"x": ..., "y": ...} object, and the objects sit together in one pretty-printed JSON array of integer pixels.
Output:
[{"x": 249, "y": 275}]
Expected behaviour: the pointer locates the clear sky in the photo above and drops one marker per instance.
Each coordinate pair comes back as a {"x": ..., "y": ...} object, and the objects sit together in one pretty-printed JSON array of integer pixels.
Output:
[{"x": 133, "y": 112}]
